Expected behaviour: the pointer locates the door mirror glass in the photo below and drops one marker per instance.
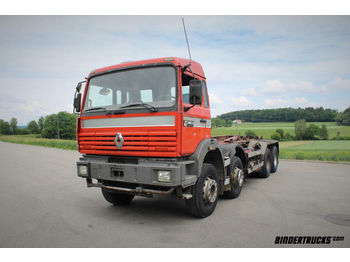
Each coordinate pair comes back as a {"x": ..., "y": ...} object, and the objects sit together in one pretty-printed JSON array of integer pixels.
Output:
[
  {"x": 196, "y": 92},
  {"x": 77, "y": 102}
]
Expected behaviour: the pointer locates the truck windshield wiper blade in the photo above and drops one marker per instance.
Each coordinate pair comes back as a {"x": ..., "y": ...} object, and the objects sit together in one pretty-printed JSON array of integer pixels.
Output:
[
  {"x": 96, "y": 109},
  {"x": 152, "y": 108}
]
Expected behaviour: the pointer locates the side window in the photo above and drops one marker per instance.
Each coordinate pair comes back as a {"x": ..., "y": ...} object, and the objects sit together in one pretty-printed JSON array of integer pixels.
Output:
[
  {"x": 186, "y": 88},
  {"x": 205, "y": 97},
  {"x": 186, "y": 94}
]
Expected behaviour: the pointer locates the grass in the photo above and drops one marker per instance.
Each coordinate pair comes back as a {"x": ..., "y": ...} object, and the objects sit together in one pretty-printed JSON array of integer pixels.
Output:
[
  {"x": 266, "y": 129},
  {"x": 37, "y": 141},
  {"x": 327, "y": 150}
]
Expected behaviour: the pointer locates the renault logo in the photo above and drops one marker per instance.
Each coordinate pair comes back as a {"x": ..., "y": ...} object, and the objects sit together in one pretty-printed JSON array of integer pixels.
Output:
[{"x": 119, "y": 140}]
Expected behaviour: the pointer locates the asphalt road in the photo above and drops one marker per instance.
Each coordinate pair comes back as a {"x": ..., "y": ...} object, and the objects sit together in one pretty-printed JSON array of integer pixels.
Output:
[{"x": 44, "y": 204}]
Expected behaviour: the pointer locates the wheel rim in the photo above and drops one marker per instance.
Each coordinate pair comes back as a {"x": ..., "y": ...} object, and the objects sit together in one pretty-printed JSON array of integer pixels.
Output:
[
  {"x": 268, "y": 164},
  {"x": 275, "y": 159},
  {"x": 210, "y": 190},
  {"x": 238, "y": 177}
]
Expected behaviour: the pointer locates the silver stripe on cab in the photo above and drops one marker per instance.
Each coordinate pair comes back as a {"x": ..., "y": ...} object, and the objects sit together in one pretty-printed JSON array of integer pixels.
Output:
[{"x": 129, "y": 121}]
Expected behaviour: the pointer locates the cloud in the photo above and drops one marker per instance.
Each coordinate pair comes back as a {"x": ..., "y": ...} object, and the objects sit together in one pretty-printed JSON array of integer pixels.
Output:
[
  {"x": 214, "y": 100},
  {"x": 340, "y": 84},
  {"x": 277, "y": 87},
  {"x": 284, "y": 102},
  {"x": 241, "y": 101},
  {"x": 250, "y": 92}
]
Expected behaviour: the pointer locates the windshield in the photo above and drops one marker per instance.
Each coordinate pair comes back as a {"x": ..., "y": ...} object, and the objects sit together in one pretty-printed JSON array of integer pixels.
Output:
[{"x": 154, "y": 86}]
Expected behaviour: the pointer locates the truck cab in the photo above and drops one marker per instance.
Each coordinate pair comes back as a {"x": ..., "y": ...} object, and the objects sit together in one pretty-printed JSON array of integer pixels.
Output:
[{"x": 144, "y": 128}]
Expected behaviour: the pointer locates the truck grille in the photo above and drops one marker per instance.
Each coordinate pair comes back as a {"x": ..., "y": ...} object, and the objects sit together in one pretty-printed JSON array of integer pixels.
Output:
[{"x": 145, "y": 143}]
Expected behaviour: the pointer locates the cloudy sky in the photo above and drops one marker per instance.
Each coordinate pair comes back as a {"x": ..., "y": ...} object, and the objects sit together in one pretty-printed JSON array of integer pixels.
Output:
[{"x": 250, "y": 62}]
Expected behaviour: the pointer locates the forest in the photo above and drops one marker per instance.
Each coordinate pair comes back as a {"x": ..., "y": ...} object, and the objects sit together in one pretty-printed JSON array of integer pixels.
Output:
[{"x": 289, "y": 114}]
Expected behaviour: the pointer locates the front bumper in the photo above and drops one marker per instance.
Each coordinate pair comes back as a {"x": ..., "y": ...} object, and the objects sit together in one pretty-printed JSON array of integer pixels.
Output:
[{"x": 136, "y": 174}]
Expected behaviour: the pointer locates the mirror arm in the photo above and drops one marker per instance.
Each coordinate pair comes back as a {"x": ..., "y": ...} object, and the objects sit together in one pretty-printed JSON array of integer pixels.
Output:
[
  {"x": 186, "y": 108},
  {"x": 189, "y": 67}
]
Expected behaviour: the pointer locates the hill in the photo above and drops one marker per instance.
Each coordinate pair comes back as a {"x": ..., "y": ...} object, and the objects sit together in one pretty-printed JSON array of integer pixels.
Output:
[{"x": 289, "y": 114}]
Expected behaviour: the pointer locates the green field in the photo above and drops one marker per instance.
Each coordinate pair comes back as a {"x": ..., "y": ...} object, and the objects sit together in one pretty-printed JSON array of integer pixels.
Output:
[
  {"x": 328, "y": 150},
  {"x": 33, "y": 140},
  {"x": 266, "y": 129}
]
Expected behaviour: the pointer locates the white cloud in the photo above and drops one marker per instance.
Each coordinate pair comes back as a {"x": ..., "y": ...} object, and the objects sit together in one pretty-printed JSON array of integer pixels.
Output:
[
  {"x": 340, "y": 84},
  {"x": 277, "y": 87},
  {"x": 288, "y": 102},
  {"x": 214, "y": 100},
  {"x": 241, "y": 101}
]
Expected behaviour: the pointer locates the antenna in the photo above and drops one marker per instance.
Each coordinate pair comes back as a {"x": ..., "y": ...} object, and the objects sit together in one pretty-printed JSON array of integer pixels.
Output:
[{"x": 188, "y": 46}]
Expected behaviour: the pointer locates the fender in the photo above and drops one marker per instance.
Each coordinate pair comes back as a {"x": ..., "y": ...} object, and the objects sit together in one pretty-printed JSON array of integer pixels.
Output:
[
  {"x": 208, "y": 151},
  {"x": 230, "y": 150}
]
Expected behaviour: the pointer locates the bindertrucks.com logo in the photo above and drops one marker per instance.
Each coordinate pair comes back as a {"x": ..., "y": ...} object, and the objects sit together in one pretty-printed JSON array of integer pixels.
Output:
[{"x": 307, "y": 240}]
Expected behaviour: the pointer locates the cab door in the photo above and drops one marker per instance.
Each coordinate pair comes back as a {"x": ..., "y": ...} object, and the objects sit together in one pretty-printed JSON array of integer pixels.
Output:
[{"x": 196, "y": 122}]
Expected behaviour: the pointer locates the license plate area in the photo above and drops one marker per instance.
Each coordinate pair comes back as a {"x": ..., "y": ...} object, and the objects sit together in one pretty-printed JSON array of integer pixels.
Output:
[{"x": 117, "y": 172}]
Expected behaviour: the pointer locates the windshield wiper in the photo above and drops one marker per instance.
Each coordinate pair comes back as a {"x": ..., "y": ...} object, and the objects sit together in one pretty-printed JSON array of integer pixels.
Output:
[
  {"x": 152, "y": 108},
  {"x": 96, "y": 109}
]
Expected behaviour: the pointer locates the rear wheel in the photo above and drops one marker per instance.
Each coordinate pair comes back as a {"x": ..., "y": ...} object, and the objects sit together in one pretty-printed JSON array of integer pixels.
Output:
[
  {"x": 266, "y": 170},
  {"x": 204, "y": 192},
  {"x": 236, "y": 173},
  {"x": 274, "y": 159},
  {"x": 118, "y": 199}
]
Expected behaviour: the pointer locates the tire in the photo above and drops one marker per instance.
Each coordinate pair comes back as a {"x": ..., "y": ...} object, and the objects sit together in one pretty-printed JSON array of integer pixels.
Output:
[
  {"x": 236, "y": 180},
  {"x": 266, "y": 170},
  {"x": 117, "y": 199},
  {"x": 204, "y": 193},
  {"x": 274, "y": 159}
]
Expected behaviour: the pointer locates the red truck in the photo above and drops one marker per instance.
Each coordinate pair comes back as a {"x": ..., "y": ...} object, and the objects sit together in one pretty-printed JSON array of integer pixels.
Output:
[{"x": 144, "y": 128}]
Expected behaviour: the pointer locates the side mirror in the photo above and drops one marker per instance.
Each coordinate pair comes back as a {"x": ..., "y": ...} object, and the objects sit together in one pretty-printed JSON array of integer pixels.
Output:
[
  {"x": 78, "y": 88},
  {"x": 196, "y": 92},
  {"x": 77, "y": 102}
]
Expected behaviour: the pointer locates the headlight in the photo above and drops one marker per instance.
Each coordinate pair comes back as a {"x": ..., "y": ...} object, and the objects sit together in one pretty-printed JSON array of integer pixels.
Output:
[
  {"x": 164, "y": 176},
  {"x": 83, "y": 170}
]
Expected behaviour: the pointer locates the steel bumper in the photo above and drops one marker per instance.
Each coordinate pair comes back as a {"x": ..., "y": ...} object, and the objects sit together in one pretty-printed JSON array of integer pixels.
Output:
[{"x": 144, "y": 172}]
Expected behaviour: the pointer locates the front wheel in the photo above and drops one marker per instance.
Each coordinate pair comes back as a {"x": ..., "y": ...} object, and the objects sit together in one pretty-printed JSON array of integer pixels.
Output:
[
  {"x": 204, "y": 192},
  {"x": 117, "y": 199}
]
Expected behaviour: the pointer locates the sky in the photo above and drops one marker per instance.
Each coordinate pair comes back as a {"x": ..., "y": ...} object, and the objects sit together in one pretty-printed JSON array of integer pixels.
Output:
[{"x": 251, "y": 62}]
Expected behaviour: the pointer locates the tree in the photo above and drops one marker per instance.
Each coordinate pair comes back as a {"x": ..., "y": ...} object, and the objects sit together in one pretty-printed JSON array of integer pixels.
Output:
[
  {"x": 228, "y": 123},
  {"x": 41, "y": 123},
  {"x": 300, "y": 129},
  {"x": 288, "y": 137},
  {"x": 13, "y": 125},
  {"x": 61, "y": 125},
  {"x": 250, "y": 133},
  {"x": 280, "y": 132},
  {"x": 346, "y": 117},
  {"x": 311, "y": 131},
  {"x": 5, "y": 127},
  {"x": 324, "y": 132},
  {"x": 276, "y": 136},
  {"x": 33, "y": 127},
  {"x": 283, "y": 114},
  {"x": 22, "y": 131},
  {"x": 218, "y": 122}
]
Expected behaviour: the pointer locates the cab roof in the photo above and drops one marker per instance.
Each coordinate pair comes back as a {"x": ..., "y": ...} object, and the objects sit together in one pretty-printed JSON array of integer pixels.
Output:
[{"x": 195, "y": 66}]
